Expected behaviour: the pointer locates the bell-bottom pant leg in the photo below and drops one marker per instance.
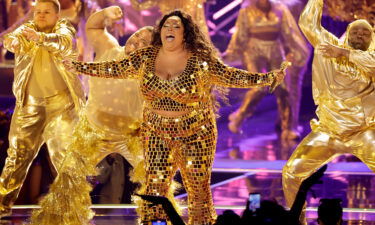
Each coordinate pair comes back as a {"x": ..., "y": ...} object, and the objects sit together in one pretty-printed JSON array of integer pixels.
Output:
[
  {"x": 160, "y": 168},
  {"x": 197, "y": 156},
  {"x": 315, "y": 150},
  {"x": 25, "y": 140},
  {"x": 363, "y": 147}
]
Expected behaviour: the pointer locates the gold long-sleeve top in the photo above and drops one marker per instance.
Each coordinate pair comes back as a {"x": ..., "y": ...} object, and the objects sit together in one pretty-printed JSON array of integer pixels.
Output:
[
  {"x": 59, "y": 43},
  {"x": 190, "y": 90},
  {"x": 279, "y": 20},
  {"x": 343, "y": 88}
]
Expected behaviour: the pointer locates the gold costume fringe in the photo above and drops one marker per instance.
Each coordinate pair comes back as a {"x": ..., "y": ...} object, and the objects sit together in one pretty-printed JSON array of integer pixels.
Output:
[{"x": 68, "y": 201}]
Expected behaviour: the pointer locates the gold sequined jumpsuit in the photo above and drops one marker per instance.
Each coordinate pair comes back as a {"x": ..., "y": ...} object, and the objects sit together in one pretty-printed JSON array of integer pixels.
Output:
[
  {"x": 263, "y": 54},
  {"x": 185, "y": 142},
  {"x": 343, "y": 90}
]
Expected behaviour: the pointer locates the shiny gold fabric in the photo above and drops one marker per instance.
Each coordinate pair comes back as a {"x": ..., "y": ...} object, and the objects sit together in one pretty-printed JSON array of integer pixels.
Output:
[
  {"x": 108, "y": 124},
  {"x": 344, "y": 93},
  {"x": 186, "y": 142},
  {"x": 68, "y": 200},
  {"x": 268, "y": 54},
  {"x": 195, "y": 8},
  {"x": 59, "y": 43},
  {"x": 43, "y": 81},
  {"x": 40, "y": 120},
  {"x": 114, "y": 105}
]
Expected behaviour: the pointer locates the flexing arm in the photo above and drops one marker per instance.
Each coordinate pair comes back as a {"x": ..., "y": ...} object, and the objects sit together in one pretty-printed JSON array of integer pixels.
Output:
[
  {"x": 224, "y": 75},
  {"x": 97, "y": 34},
  {"x": 310, "y": 24}
]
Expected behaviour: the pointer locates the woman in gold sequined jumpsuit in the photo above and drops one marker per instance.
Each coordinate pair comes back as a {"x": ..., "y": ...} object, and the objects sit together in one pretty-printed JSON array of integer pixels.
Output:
[
  {"x": 270, "y": 34},
  {"x": 179, "y": 129}
]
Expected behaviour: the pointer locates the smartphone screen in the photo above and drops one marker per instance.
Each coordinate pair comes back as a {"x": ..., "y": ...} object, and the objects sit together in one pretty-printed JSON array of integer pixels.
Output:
[
  {"x": 159, "y": 222},
  {"x": 254, "y": 201}
]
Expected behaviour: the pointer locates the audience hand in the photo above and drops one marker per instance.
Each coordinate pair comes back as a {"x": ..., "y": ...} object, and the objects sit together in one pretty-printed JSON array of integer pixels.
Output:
[
  {"x": 156, "y": 200},
  {"x": 313, "y": 179}
]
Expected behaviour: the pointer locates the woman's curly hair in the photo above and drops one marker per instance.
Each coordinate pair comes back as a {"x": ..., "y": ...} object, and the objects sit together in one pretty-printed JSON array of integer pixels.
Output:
[{"x": 194, "y": 39}]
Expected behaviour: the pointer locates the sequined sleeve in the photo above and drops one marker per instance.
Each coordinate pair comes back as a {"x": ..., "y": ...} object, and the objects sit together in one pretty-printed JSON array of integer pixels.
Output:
[
  {"x": 127, "y": 68},
  {"x": 227, "y": 76},
  {"x": 310, "y": 24}
]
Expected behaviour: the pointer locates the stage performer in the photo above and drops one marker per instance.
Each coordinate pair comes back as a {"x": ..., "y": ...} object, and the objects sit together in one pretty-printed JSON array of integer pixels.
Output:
[
  {"x": 343, "y": 91},
  {"x": 179, "y": 129},
  {"x": 108, "y": 124},
  {"x": 47, "y": 96},
  {"x": 267, "y": 31}
]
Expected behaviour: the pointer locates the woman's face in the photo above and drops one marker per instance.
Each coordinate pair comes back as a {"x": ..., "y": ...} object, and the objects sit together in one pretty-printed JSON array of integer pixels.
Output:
[{"x": 172, "y": 33}]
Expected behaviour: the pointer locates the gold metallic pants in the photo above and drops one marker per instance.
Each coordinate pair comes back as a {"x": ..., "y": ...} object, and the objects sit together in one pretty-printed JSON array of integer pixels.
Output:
[
  {"x": 114, "y": 143},
  {"x": 263, "y": 56},
  {"x": 40, "y": 120},
  {"x": 187, "y": 143},
  {"x": 317, "y": 149}
]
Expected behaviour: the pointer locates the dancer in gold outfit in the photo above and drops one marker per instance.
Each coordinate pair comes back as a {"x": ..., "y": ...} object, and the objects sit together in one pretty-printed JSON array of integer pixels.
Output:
[
  {"x": 179, "y": 129},
  {"x": 75, "y": 11},
  {"x": 46, "y": 95},
  {"x": 267, "y": 30},
  {"x": 344, "y": 92},
  {"x": 108, "y": 124},
  {"x": 195, "y": 8},
  {"x": 114, "y": 106}
]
